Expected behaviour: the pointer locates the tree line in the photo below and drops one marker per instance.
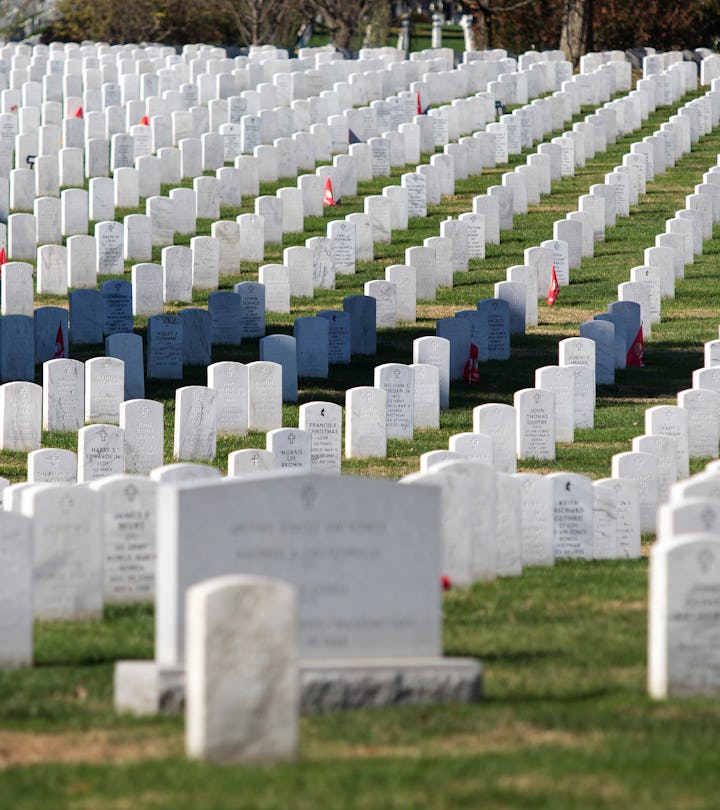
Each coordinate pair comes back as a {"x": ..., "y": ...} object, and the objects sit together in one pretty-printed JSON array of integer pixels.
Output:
[{"x": 576, "y": 26}]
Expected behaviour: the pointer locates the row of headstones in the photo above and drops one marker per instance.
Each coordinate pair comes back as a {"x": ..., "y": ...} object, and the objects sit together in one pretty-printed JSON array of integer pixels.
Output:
[
  {"x": 663, "y": 262},
  {"x": 535, "y": 418},
  {"x": 206, "y": 180},
  {"x": 526, "y": 283},
  {"x": 238, "y": 397},
  {"x": 689, "y": 430},
  {"x": 173, "y": 341},
  {"x": 684, "y": 574},
  {"x": 273, "y": 269},
  {"x": 239, "y": 137},
  {"x": 553, "y": 420},
  {"x": 113, "y": 569},
  {"x": 684, "y": 582},
  {"x": 535, "y": 274},
  {"x": 73, "y": 393},
  {"x": 498, "y": 206},
  {"x": 671, "y": 432},
  {"x": 433, "y": 77},
  {"x": 495, "y": 523},
  {"x": 124, "y": 150},
  {"x": 666, "y": 259}
]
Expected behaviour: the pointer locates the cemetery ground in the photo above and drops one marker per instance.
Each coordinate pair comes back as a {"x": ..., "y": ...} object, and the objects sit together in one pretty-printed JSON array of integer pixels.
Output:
[{"x": 565, "y": 720}]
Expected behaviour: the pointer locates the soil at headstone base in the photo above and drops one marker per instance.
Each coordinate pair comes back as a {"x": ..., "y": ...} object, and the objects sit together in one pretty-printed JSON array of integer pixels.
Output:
[{"x": 18, "y": 748}]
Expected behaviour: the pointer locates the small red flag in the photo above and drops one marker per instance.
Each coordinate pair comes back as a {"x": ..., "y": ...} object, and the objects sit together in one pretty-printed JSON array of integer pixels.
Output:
[
  {"x": 3, "y": 255},
  {"x": 635, "y": 356},
  {"x": 445, "y": 582},
  {"x": 144, "y": 121},
  {"x": 554, "y": 288},
  {"x": 470, "y": 372},
  {"x": 59, "y": 344},
  {"x": 419, "y": 104},
  {"x": 79, "y": 112},
  {"x": 328, "y": 198}
]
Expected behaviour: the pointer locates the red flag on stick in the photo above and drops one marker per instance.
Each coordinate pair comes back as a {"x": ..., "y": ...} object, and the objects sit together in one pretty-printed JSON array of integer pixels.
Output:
[
  {"x": 79, "y": 112},
  {"x": 3, "y": 255},
  {"x": 554, "y": 288},
  {"x": 635, "y": 356},
  {"x": 470, "y": 372},
  {"x": 59, "y": 344},
  {"x": 328, "y": 198},
  {"x": 419, "y": 104},
  {"x": 145, "y": 121}
]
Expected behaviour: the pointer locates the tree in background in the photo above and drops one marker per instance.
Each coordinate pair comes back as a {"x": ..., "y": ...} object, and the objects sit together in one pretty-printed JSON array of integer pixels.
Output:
[
  {"x": 516, "y": 25},
  {"x": 268, "y": 22},
  {"x": 576, "y": 35},
  {"x": 243, "y": 22},
  {"x": 578, "y": 26},
  {"x": 347, "y": 21},
  {"x": 662, "y": 24}
]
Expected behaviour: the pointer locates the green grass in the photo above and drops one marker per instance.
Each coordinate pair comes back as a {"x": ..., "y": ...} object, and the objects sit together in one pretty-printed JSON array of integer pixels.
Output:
[{"x": 566, "y": 722}]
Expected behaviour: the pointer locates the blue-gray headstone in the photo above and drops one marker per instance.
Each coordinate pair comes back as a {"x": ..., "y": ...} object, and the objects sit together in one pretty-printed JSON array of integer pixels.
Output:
[
  {"x": 164, "y": 347},
  {"x": 225, "y": 310},
  {"x": 252, "y": 296},
  {"x": 129, "y": 348},
  {"x": 629, "y": 311},
  {"x": 338, "y": 336},
  {"x": 197, "y": 336},
  {"x": 363, "y": 329},
  {"x": 17, "y": 348},
  {"x": 603, "y": 334},
  {"x": 51, "y": 333},
  {"x": 478, "y": 330},
  {"x": 498, "y": 319},
  {"x": 620, "y": 336},
  {"x": 458, "y": 332},
  {"x": 86, "y": 316},
  {"x": 117, "y": 306},
  {"x": 312, "y": 347},
  {"x": 281, "y": 349}
]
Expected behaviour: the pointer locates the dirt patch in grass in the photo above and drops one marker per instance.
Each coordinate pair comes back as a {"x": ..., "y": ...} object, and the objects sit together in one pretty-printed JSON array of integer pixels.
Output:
[
  {"x": 576, "y": 785},
  {"x": 485, "y": 741},
  {"x": 561, "y": 315},
  {"x": 434, "y": 312},
  {"x": 19, "y": 748}
]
